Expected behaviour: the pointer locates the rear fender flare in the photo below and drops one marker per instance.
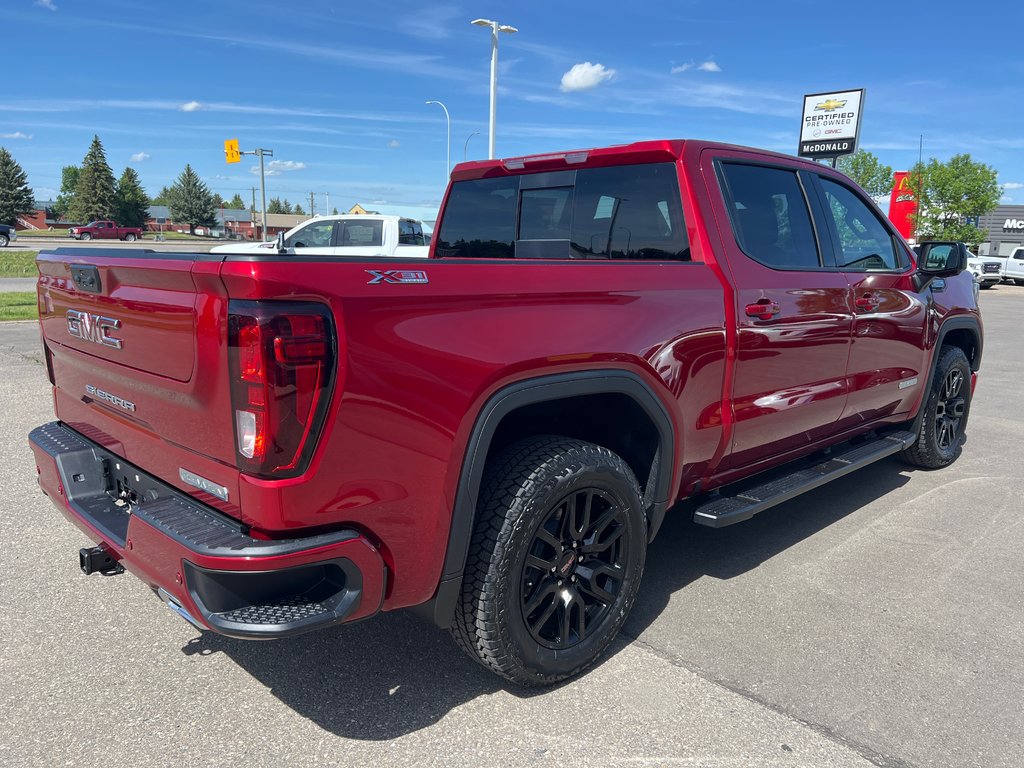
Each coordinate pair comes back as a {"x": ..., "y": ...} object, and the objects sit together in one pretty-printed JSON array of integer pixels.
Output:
[{"x": 530, "y": 392}]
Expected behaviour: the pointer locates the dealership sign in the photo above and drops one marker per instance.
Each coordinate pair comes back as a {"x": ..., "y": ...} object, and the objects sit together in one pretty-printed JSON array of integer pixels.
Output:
[{"x": 831, "y": 123}]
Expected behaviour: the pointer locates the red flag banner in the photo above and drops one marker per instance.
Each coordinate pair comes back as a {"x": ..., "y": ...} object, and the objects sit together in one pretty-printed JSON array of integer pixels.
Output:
[{"x": 902, "y": 204}]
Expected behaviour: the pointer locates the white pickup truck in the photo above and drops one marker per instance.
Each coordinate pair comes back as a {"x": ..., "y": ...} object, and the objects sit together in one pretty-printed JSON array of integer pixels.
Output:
[
  {"x": 347, "y": 235},
  {"x": 1013, "y": 269}
]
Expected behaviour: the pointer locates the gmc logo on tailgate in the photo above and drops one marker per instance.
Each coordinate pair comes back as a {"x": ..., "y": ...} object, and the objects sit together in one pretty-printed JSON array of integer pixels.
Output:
[{"x": 94, "y": 328}]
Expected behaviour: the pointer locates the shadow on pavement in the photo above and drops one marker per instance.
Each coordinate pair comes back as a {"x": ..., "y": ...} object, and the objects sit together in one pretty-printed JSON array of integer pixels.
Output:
[
  {"x": 684, "y": 551},
  {"x": 395, "y": 673}
]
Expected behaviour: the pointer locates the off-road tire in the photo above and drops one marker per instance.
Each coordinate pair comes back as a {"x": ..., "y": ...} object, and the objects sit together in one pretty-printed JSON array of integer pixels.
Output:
[
  {"x": 941, "y": 435},
  {"x": 526, "y": 490}
]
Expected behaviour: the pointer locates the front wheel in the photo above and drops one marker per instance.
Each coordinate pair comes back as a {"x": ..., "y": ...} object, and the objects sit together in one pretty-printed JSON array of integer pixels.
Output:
[
  {"x": 86, "y": 236},
  {"x": 555, "y": 561},
  {"x": 946, "y": 410}
]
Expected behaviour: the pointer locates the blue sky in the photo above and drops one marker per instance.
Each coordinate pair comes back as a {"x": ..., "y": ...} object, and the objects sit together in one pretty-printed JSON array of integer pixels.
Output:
[{"x": 338, "y": 90}]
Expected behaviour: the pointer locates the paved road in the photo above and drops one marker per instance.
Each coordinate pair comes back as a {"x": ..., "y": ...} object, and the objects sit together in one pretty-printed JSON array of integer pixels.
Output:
[
  {"x": 873, "y": 622},
  {"x": 17, "y": 284}
]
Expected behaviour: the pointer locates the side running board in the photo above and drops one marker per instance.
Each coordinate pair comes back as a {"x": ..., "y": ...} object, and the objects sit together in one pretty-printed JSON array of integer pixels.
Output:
[{"x": 728, "y": 508}]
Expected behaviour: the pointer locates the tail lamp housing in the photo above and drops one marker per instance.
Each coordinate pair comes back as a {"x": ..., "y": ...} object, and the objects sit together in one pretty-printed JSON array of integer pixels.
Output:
[{"x": 283, "y": 365}]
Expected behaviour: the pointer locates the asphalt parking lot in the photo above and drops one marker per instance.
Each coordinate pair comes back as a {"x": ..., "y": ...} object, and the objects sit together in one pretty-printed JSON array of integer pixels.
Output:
[{"x": 875, "y": 621}]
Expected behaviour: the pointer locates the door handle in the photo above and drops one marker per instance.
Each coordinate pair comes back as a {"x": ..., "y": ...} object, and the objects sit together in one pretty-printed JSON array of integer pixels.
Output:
[
  {"x": 868, "y": 302},
  {"x": 763, "y": 309}
]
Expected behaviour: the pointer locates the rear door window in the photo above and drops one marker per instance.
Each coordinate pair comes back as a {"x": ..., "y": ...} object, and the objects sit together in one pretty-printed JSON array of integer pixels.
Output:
[
  {"x": 770, "y": 217},
  {"x": 366, "y": 234}
]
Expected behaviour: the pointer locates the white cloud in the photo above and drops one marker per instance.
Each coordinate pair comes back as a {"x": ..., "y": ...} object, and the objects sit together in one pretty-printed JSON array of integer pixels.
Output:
[
  {"x": 585, "y": 76},
  {"x": 1013, "y": 185},
  {"x": 277, "y": 167},
  {"x": 705, "y": 66},
  {"x": 138, "y": 157},
  {"x": 1005, "y": 199},
  {"x": 190, "y": 106},
  {"x": 394, "y": 144},
  {"x": 47, "y": 4},
  {"x": 16, "y": 135}
]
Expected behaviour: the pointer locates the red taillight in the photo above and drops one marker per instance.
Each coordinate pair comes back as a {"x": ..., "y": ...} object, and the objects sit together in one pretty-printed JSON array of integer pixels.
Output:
[{"x": 282, "y": 357}]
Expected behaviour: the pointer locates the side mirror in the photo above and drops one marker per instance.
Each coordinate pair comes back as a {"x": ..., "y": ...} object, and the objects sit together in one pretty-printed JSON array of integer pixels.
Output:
[
  {"x": 941, "y": 259},
  {"x": 279, "y": 244}
]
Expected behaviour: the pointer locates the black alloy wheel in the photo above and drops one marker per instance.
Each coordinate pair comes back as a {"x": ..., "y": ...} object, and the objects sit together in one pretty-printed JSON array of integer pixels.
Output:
[
  {"x": 947, "y": 407},
  {"x": 574, "y": 568},
  {"x": 555, "y": 559},
  {"x": 950, "y": 409}
]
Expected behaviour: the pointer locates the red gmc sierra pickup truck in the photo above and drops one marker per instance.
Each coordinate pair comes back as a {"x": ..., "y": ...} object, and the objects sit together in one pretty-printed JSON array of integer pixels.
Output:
[{"x": 276, "y": 443}]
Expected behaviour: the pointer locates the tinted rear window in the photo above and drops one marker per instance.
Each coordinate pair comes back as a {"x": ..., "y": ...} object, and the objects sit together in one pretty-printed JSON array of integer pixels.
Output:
[
  {"x": 621, "y": 212},
  {"x": 480, "y": 219}
]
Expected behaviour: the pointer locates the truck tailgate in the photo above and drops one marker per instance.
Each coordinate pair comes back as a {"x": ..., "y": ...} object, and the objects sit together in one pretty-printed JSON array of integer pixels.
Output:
[
  {"x": 136, "y": 346},
  {"x": 152, "y": 305}
]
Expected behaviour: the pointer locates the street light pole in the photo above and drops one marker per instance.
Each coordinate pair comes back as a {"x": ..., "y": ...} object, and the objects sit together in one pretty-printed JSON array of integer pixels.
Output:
[
  {"x": 448, "y": 159},
  {"x": 495, "y": 29},
  {"x": 465, "y": 147}
]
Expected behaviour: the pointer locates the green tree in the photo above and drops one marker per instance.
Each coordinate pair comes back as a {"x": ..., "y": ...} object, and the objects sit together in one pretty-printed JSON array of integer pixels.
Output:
[
  {"x": 275, "y": 206},
  {"x": 297, "y": 210},
  {"x": 236, "y": 203},
  {"x": 132, "y": 203},
  {"x": 94, "y": 191},
  {"x": 15, "y": 194},
  {"x": 163, "y": 197},
  {"x": 948, "y": 193},
  {"x": 191, "y": 202},
  {"x": 866, "y": 169},
  {"x": 68, "y": 183},
  {"x": 286, "y": 207},
  {"x": 335, "y": 211},
  {"x": 218, "y": 201}
]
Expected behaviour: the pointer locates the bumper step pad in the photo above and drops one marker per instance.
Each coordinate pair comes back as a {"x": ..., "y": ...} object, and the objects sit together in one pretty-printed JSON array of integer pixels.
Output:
[{"x": 738, "y": 505}]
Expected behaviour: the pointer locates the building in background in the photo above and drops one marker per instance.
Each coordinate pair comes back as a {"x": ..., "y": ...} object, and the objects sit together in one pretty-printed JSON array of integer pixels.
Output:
[{"x": 1004, "y": 230}]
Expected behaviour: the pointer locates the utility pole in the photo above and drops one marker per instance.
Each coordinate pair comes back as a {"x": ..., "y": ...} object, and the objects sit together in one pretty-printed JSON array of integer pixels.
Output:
[
  {"x": 328, "y": 194},
  {"x": 312, "y": 212},
  {"x": 253, "y": 209},
  {"x": 261, "y": 153}
]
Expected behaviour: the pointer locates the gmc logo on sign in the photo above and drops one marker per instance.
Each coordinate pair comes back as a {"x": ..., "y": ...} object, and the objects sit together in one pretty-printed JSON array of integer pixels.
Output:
[{"x": 93, "y": 328}]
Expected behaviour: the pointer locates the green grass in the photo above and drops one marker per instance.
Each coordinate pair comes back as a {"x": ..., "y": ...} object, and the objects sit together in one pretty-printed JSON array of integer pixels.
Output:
[
  {"x": 17, "y": 263},
  {"x": 43, "y": 233},
  {"x": 18, "y": 306}
]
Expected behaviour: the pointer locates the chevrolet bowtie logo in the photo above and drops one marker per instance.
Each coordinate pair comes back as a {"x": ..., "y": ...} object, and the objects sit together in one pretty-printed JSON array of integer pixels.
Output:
[{"x": 830, "y": 105}]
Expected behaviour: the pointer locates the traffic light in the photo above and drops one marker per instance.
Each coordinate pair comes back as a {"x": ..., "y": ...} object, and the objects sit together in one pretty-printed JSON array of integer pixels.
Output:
[{"x": 231, "y": 151}]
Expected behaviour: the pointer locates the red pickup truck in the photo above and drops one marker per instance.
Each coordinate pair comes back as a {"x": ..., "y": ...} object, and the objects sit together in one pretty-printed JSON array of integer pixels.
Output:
[
  {"x": 279, "y": 442},
  {"x": 105, "y": 230}
]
